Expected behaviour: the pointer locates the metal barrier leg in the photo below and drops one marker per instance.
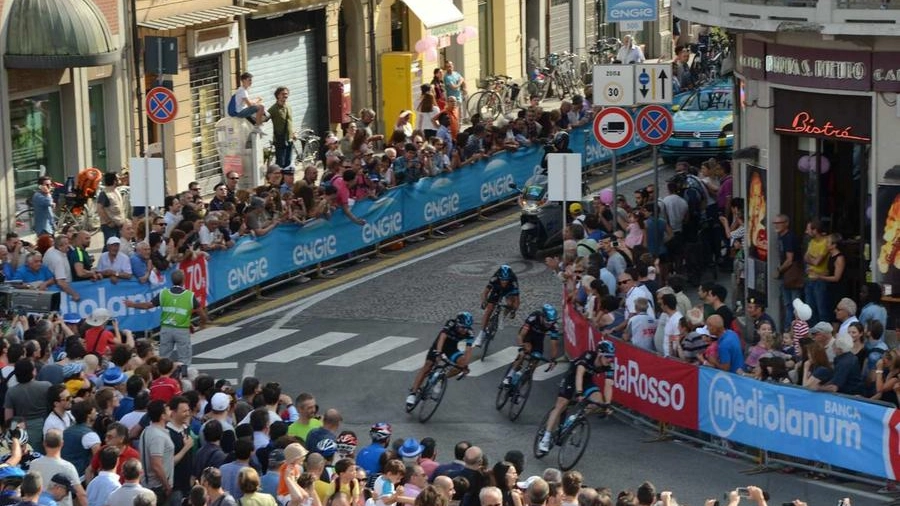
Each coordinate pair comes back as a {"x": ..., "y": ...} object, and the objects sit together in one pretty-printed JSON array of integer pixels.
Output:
[{"x": 662, "y": 434}]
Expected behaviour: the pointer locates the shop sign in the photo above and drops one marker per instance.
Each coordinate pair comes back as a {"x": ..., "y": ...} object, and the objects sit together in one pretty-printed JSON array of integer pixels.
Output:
[
  {"x": 751, "y": 62},
  {"x": 835, "y": 117},
  {"x": 886, "y": 72},
  {"x": 818, "y": 68}
]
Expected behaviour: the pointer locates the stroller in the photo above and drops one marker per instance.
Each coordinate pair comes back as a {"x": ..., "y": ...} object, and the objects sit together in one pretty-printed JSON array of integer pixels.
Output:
[{"x": 75, "y": 200}]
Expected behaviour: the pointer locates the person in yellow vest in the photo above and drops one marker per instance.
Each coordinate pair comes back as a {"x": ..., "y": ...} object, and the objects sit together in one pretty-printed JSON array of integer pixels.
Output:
[{"x": 177, "y": 305}]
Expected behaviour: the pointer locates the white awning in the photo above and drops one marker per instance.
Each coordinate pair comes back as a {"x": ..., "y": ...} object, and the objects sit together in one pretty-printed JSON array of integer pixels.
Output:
[{"x": 434, "y": 13}]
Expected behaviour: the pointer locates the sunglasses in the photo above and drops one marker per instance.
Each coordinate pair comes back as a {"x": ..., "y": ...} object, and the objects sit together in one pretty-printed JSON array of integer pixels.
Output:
[{"x": 624, "y": 282}]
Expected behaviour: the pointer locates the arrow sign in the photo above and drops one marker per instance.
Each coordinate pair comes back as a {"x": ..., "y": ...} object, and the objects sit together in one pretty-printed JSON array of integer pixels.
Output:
[
  {"x": 663, "y": 82},
  {"x": 644, "y": 79}
]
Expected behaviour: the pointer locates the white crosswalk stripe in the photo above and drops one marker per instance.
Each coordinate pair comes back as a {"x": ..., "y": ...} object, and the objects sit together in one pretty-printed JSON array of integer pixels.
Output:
[
  {"x": 408, "y": 364},
  {"x": 368, "y": 351},
  {"x": 308, "y": 347},
  {"x": 201, "y": 336},
  {"x": 215, "y": 366},
  {"x": 245, "y": 344},
  {"x": 540, "y": 374},
  {"x": 493, "y": 361}
]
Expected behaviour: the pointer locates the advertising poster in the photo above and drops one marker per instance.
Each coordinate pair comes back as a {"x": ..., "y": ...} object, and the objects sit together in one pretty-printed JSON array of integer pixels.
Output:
[
  {"x": 757, "y": 234},
  {"x": 887, "y": 235}
]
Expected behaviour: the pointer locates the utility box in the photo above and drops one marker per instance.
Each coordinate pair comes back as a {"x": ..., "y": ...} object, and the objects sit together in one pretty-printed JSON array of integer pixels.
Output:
[
  {"x": 401, "y": 81},
  {"x": 339, "y": 101}
]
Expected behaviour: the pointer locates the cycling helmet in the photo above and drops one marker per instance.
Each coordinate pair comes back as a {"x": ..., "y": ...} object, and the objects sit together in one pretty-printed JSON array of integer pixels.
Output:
[
  {"x": 464, "y": 319},
  {"x": 327, "y": 447},
  {"x": 561, "y": 141},
  {"x": 504, "y": 273},
  {"x": 21, "y": 434},
  {"x": 11, "y": 473},
  {"x": 550, "y": 313},
  {"x": 380, "y": 431},
  {"x": 346, "y": 443},
  {"x": 606, "y": 349}
]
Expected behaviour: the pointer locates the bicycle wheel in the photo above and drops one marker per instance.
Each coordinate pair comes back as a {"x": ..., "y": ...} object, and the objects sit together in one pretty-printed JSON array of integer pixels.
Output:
[
  {"x": 24, "y": 222},
  {"x": 490, "y": 105},
  {"x": 490, "y": 332},
  {"x": 472, "y": 102},
  {"x": 431, "y": 400},
  {"x": 519, "y": 396},
  {"x": 539, "y": 434},
  {"x": 573, "y": 442},
  {"x": 532, "y": 89},
  {"x": 504, "y": 392}
]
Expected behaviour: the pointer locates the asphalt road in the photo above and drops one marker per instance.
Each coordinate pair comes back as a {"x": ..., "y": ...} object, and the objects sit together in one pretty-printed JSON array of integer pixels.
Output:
[{"x": 356, "y": 340}]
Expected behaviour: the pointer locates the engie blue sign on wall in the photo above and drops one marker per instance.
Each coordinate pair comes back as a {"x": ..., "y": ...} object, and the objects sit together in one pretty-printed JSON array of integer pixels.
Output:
[{"x": 631, "y": 10}]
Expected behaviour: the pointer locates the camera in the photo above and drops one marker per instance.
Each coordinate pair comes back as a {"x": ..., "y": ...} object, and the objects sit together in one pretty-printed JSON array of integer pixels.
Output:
[{"x": 743, "y": 492}]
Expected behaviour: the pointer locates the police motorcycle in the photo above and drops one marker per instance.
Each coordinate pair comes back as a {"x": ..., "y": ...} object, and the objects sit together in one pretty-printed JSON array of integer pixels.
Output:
[{"x": 542, "y": 220}]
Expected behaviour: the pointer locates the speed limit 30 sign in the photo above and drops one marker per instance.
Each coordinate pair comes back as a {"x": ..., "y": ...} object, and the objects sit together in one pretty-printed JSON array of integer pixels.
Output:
[{"x": 614, "y": 85}]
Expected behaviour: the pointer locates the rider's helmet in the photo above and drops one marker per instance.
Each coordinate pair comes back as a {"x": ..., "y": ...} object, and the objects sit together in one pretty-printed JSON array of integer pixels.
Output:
[
  {"x": 464, "y": 319},
  {"x": 549, "y": 312},
  {"x": 504, "y": 273},
  {"x": 11, "y": 476},
  {"x": 380, "y": 431},
  {"x": 561, "y": 141},
  {"x": 606, "y": 349},
  {"x": 346, "y": 443},
  {"x": 326, "y": 447}
]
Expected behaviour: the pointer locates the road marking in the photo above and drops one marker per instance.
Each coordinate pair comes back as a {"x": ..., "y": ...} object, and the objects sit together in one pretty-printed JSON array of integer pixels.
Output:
[
  {"x": 307, "y": 348},
  {"x": 246, "y": 344},
  {"x": 368, "y": 351},
  {"x": 410, "y": 364},
  {"x": 208, "y": 333},
  {"x": 218, "y": 365},
  {"x": 496, "y": 360},
  {"x": 249, "y": 371},
  {"x": 540, "y": 373}
]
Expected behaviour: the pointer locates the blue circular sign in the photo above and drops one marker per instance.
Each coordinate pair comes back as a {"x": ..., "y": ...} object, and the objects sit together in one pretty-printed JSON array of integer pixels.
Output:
[
  {"x": 654, "y": 124},
  {"x": 644, "y": 78},
  {"x": 161, "y": 105}
]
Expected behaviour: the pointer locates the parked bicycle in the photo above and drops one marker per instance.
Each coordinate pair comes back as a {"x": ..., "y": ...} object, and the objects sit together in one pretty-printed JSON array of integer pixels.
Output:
[
  {"x": 495, "y": 324},
  {"x": 552, "y": 79},
  {"x": 432, "y": 392},
  {"x": 604, "y": 52},
  {"x": 305, "y": 147},
  {"x": 573, "y": 432},
  {"x": 499, "y": 96},
  {"x": 519, "y": 387}
]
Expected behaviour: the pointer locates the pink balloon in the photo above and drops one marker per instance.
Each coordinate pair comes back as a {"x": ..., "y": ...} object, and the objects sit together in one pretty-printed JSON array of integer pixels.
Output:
[
  {"x": 471, "y": 32},
  {"x": 803, "y": 163},
  {"x": 461, "y": 38},
  {"x": 431, "y": 54},
  {"x": 606, "y": 196},
  {"x": 432, "y": 41},
  {"x": 824, "y": 164},
  {"x": 421, "y": 45}
]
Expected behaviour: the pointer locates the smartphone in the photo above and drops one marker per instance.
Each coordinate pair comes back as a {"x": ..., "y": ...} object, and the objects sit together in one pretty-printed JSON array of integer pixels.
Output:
[{"x": 743, "y": 492}]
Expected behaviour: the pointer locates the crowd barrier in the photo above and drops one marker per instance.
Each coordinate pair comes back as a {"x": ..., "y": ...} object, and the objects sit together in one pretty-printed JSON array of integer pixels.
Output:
[
  {"x": 842, "y": 431},
  {"x": 254, "y": 262}
]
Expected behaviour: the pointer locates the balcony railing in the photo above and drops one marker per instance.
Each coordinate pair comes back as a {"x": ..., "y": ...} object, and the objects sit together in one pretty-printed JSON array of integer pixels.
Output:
[{"x": 838, "y": 17}]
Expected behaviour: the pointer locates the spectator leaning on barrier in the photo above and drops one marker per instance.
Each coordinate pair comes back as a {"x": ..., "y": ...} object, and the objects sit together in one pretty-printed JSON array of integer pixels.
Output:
[{"x": 729, "y": 356}]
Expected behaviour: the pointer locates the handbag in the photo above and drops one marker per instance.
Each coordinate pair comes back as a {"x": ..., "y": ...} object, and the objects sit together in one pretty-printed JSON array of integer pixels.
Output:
[{"x": 793, "y": 276}]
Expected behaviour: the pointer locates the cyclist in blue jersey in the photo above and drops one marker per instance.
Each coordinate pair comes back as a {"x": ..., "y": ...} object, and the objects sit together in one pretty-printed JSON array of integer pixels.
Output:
[
  {"x": 457, "y": 330},
  {"x": 537, "y": 325},
  {"x": 580, "y": 376},
  {"x": 503, "y": 283}
]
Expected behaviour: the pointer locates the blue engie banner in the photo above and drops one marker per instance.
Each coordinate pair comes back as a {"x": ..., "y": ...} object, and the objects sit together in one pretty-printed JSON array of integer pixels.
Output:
[
  {"x": 794, "y": 421},
  {"x": 631, "y": 10},
  {"x": 290, "y": 247}
]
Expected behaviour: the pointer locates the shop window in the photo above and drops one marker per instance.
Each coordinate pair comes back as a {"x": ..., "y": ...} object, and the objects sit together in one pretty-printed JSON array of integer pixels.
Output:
[
  {"x": 486, "y": 40},
  {"x": 206, "y": 91},
  {"x": 36, "y": 137},
  {"x": 98, "y": 126},
  {"x": 399, "y": 27}
]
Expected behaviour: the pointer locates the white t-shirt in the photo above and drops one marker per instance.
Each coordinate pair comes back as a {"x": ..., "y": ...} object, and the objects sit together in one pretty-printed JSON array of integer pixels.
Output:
[
  {"x": 672, "y": 332},
  {"x": 240, "y": 96},
  {"x": 56, "y": 261},
  {"x": 642, "y": 327},
  {"x": 676, "y": 209},
  {"x": 383, "y": 487},
  {"x": 133, "y": 418},
  {"x": 638, "y": 292},
  {"x": 424, "y": 119},
  {"x": 54, "y": 421}
]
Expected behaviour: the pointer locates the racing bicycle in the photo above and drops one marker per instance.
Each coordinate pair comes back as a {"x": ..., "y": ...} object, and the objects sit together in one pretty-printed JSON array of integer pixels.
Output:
[
  {"x": 573, "y": 432},
  {"x": 429, "y": 396},
  {"x": 495, "y": 324},
  {"x": 519, "y": 387}
]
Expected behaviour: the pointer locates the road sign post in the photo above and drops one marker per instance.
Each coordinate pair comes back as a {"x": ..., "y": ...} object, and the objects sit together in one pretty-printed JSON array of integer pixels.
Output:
[
  {"x": 614, "y": 85},
  {"x": 162, "y": 107},
  {"x": 654, "y": 125},
  {"x": 613, "y": 128}
]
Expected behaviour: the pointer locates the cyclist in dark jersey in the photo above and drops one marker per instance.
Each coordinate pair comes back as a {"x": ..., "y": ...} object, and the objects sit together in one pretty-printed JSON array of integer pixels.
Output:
[
  {"x": 447, "y": 342},
  {"x": 503, "y": 283},
  {"x": 579, "y": 381},
  {"x": 537, "y": 325}
]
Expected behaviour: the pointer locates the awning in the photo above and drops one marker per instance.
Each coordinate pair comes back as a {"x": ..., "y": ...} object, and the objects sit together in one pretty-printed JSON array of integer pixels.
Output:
[
  {"x": 263, "y": 3},
  {"x": 196, "y": 18},
  {"x": 440, "y": 16},
  {"x": 50, "y": 34}
]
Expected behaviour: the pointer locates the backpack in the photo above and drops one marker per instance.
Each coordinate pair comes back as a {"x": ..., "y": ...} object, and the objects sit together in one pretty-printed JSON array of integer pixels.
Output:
[
  {"x": 4, "y": 387},
  {"x": 691, "y": 190},
  {"x": 232, "y": 106}
]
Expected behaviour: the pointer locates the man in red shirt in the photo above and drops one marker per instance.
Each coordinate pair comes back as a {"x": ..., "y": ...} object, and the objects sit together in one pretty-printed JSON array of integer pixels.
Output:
[
  {"x": 117, "y": 436},
  {"x": 165, "y": 386},
  {"x": 97, "y": 338}
]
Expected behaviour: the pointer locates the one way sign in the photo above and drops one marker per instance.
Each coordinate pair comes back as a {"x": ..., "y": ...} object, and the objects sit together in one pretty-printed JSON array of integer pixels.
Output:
[{"x": 653, "y": 83}]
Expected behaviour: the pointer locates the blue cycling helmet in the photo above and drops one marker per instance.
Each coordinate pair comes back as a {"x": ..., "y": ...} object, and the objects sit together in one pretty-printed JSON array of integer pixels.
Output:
[
  {"x": 504, "y": 273},
  {"x": 550, "y": 313},
  {"x": 606, "y": 348},
  {"x": 464, "y": 319},
  {"x": 327, "y": 447},
  {"x": 8, "y": 472}
]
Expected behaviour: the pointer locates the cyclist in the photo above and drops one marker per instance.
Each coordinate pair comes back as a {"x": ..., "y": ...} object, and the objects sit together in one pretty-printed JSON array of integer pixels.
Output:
[
  {"x": 503, "y": 283},
  {"x": 539, "y": 323},
  {"x": 573, "y": 385},
  {"x": 447, "y": 343}
]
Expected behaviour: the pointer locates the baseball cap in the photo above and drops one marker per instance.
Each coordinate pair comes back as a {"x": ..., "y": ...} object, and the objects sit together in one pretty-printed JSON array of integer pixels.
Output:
[
  {"x": 822, "y": 328},
  {"x": 63, "y": 481},
  {"x": 220, "y": 402},
  {"x": 113, "y": 240},
  {"x": 276, "y": 457},
  {"x": 575, "y": 208}
]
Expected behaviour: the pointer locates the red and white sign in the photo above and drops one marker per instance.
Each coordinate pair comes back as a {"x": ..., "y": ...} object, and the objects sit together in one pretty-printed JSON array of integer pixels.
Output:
[
  {"x": 161, "y": 105},
  {"x": 196, "y": 277},
  {"x": 613, "y": 127},
  {"x": 654, "y": 124}
]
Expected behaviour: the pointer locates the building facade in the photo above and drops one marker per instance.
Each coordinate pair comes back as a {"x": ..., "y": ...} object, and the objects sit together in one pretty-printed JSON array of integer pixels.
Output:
[{"x": 819, "y": 85}]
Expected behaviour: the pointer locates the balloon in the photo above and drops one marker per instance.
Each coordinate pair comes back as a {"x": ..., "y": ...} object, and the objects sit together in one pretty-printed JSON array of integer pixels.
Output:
[
  {"x": 432, "y": 41},
  {"x": 431, "y": 54},
  {"x": 421, "y": 45},
  {"x": 471, "y": 32},
  {"x": 606, "y": 196},
  {"x": 461, "y": 38},
  {"x": 803, "y": 163},
  {"x": 824, "y": 164}
]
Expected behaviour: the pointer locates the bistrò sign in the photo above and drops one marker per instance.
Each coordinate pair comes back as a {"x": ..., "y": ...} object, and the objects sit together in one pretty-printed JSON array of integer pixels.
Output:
[
  {"x": 835, "y": 117},
  {"x": 819, "y": 68}
]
